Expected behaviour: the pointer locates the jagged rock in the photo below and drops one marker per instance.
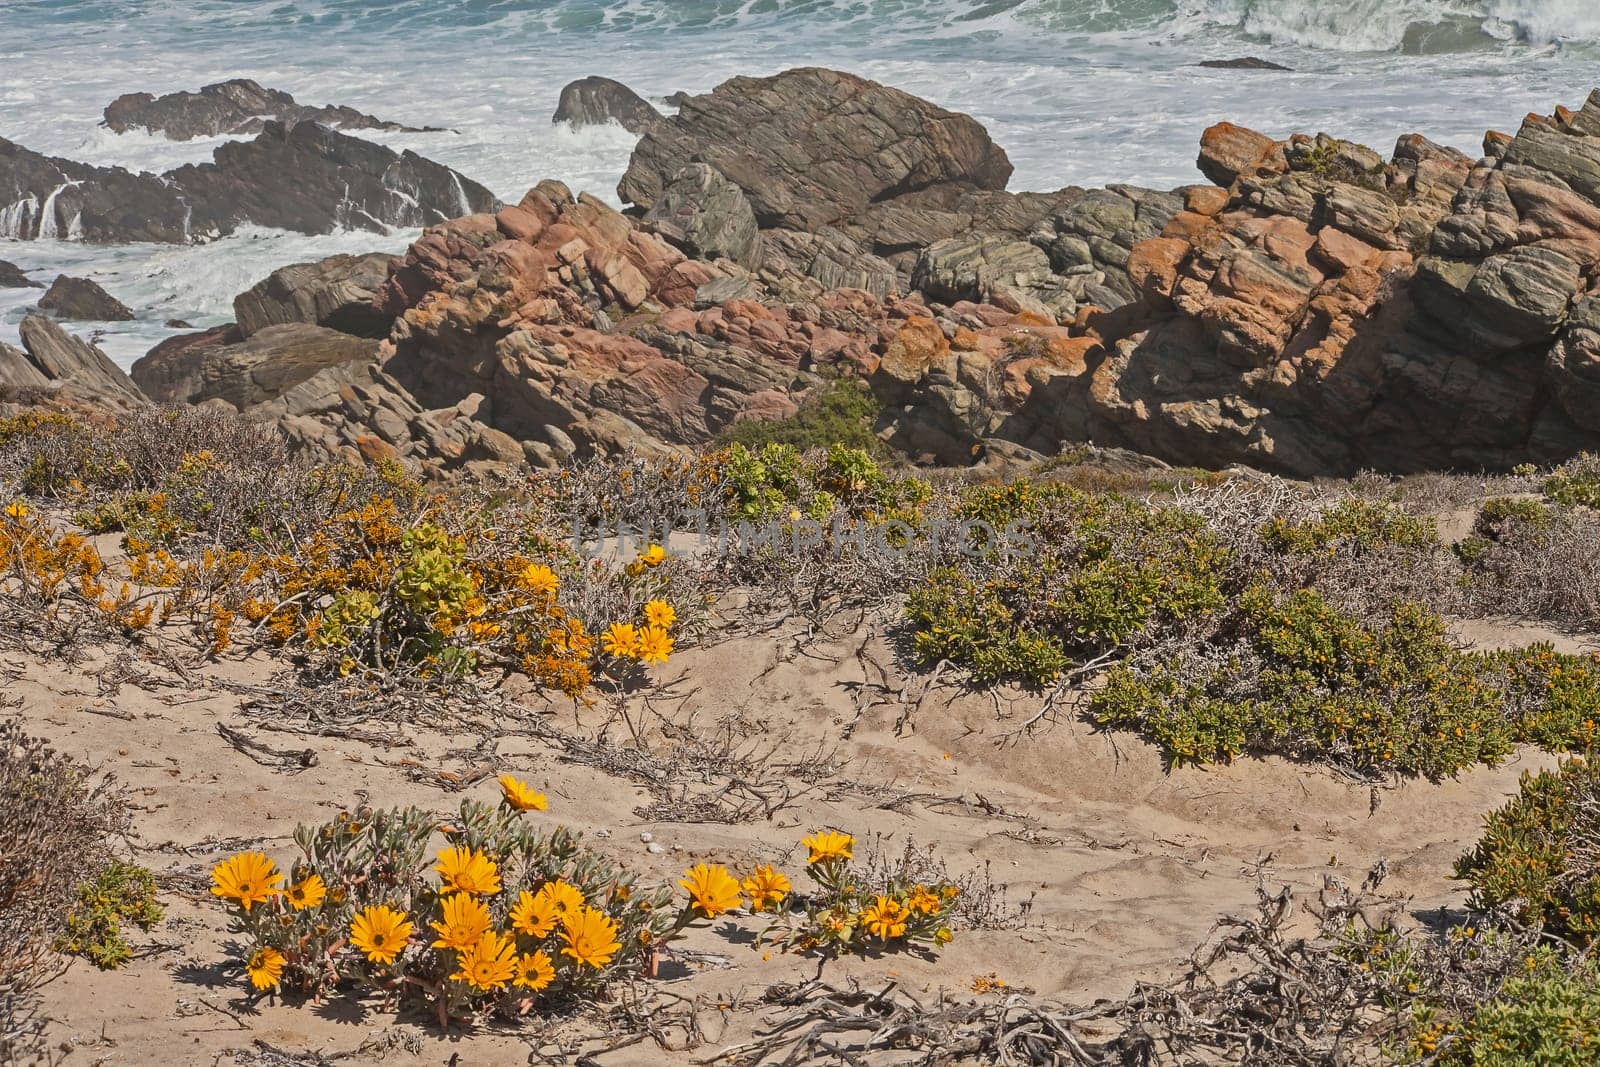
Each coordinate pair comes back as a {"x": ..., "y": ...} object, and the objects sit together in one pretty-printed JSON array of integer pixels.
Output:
[
  {"x": 830, "y": 258},
  {"x": 595, "y": 101},
  {"x": 81, "y": 300},
  {"x": 239, "y": 106},
  {"x": 1574, "y": 363},
  {"x": 1244, "y": 63},
  {"x": 708, "y": 217},
  {"x": 61, "y": 357},
  {"x": 308, "y": 178},
  {"x": 979, "y": 267},
  {"x": 19, "y": 372},
  {"x": 245, "y": 372},
  {"x": 44, "y": 196},
  {"x": 12, "y": 277},
  {"x": 335, "y": 292},
  {"x": 810, "y": 147},
  {"x": 312, "y": 179}
]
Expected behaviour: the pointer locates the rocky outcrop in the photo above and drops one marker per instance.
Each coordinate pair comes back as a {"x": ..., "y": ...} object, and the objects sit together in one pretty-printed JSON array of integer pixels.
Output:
[
  {"x": 1318, "y": 311},
  {"x": 239, "y": 106},
  {"x": 708, "y": 217},
  {"x": 245, "y": 371},
  {"x": 53, "y": 360},
  {"x": 81, "y": 300},
  {"x": 306, "y": 177},
  {"x": 595, "y": 101},
  {"x": 312, "y": 179},
  {"x": 44, "y": 196},
  {"x": 12, "y": 277},
  {"x": 812, "y": 147},
  {"x": 1243, "y": 63},
  {"x": 335, "y": 292}
]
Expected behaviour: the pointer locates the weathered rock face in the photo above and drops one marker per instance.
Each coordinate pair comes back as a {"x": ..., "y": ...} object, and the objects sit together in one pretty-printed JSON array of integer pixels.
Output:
[
  {"x": 239, "y": 106},
  {"x": 335, "y": 292},
  {"x": 245, "y": 372},
  {"x": 307, "y": 177},
  {"x": 708, "y": 217},
  {"x": 54, "y": 359},
  {"x": 595, "y": 101},
  {"x": 12, "y": 277},
  {"x": 313, "y": 179},
  {"x": 811, "y": 147},
  {"x": 1321, "y": 311},
  {"x": 44, "y": 196},
  {"x": 81, "y": 300}
]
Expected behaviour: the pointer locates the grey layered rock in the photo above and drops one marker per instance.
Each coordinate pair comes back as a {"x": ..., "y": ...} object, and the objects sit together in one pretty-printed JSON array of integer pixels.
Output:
[
  {"x": 810, "y": 147},
  {"x": 81, "y": 300},
  {"x": 1574, "y": 363},
  {"x": 61, "y": 357},
  {"x": 239, "y": 106},
  {"x": 45, "y": 196},
  {"x": 335, "y": 292},
  {"x": 977, "y": 266},
  {"x": 830, "y": 258},
  {"x": 595, "y": 101},
  {"x": 249, "y": 372},
  {"x": 708, "y": 217}
]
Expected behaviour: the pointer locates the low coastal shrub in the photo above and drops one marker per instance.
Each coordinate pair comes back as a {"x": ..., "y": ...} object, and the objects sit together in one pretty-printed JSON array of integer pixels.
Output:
[
  {"x": 121, "y": 893},
  {"x": 1100, "y": 573},
  {"x": 841, "y": 412},
  {"x": 57, "y": 824},
  {"x": 1539, "y": 856},
  {"x": 507, "y": 919},
  {"x": 1307, "y": 681}
]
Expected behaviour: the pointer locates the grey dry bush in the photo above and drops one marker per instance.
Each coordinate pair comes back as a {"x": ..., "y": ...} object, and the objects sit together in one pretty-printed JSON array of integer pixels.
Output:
[{"x": 57, "y": 821}]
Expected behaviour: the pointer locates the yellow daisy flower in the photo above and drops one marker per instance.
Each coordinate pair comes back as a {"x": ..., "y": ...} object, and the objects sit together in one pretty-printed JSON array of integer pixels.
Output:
[
  {"x": 462, "y": 870},
  {"x": 250, "y": 878},
  {"x": 766, "y": 887},
  {"x": 381, "y": 933},
  {"x": 265, "y": 968},
  {"x": 540, "y": 579},
  {"x": 590, "y": 936},
  {"x": 534, "y": 971},
  {"x": 653, "y": 556},
  {"x": 712, "y": 889},
  {"x": 534, "y": 915},
  {"x": 466, "y": 919},
  {"x": 923, "y": 902},
  {"x": 489, "y": 964},
  {"x": 309, "y": 892},
  {"x": 521, "y": 796},
  {"x": 621, "y": 640},
  {"x": 564, "y": 897},
  {"x": 885, "y": 918},
  {"x": 654, "y": 645},
  {"x": 660, "y": 613},
  {"x": 826, "y": 845}
]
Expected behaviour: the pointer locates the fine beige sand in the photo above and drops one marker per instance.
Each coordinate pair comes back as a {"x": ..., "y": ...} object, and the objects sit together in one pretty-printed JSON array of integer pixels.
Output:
[{"x": 1123, "y": 867}]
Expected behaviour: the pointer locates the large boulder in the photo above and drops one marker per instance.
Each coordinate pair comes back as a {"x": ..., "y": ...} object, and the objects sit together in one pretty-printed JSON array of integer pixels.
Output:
[
  {"x": 71, "y": 361},
  {"x": 810, "y": 147},
  {"x": 239, "y": 106},
  {"x": 335, "y": 292},
  {"x": 595, "y": 101},
  {"x": 707, "y": 216},
  {"x": 81, "y": 300},
  {"x": 245, "y": 372}
]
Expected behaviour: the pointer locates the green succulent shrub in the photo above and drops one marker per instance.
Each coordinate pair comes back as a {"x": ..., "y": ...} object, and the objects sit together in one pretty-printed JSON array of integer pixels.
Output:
[{"x": 122, "y": 893}]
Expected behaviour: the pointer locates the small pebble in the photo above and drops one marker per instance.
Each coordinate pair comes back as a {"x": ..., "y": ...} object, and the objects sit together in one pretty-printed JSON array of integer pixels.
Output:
[
  {"x": 602, "y": 833},
  {"x": 654, "y": 848},
  {"x": 646, "y": 836}
]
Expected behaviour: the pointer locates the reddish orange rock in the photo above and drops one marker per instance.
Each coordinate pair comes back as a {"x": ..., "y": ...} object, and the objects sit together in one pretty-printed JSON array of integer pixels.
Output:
[{"x": 1228, "y": 152}]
